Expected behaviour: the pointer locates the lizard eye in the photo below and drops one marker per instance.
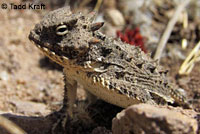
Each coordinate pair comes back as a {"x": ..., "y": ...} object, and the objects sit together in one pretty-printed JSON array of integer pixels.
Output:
[{"x": 61, "y": 30}]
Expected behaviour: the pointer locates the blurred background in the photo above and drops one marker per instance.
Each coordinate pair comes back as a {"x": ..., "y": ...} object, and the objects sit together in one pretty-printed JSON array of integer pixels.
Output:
[{"x": 31, "y": 84}]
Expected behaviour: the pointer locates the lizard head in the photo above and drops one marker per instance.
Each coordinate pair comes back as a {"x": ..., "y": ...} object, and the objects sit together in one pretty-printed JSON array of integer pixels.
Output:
[{"x": 63, "y": 36}]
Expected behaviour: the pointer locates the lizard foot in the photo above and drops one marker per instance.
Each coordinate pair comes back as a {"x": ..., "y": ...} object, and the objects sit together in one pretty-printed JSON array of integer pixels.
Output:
[{"x": 62, "y": 121}]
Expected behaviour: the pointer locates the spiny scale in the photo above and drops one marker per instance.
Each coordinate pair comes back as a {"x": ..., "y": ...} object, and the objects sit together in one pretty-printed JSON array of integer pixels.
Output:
[
  {"x": 94, "y": 41},
  {"x": 96, "y": 26}
]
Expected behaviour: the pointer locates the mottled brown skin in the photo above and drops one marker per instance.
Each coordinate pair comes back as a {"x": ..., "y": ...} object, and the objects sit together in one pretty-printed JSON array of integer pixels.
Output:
[{"x": 109, "y": 69}]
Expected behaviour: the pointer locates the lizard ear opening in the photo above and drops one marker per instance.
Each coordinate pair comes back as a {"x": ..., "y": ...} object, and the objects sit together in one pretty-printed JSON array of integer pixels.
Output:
[{"x": 61, "y": 30}]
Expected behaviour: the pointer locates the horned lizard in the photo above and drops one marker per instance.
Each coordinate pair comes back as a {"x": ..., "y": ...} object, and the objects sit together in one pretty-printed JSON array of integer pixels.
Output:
[{"x": 109, "y": 69}]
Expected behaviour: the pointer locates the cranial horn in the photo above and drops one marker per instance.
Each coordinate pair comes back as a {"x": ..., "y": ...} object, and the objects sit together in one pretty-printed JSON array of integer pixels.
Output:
[
  {"x": 72, "y": 22},
  {"x": 94, "y": 41},
  {"x": 96, "y": 26}
]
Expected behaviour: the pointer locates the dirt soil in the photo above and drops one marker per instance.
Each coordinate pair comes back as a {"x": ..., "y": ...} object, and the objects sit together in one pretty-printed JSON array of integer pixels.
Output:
[{"x": 31, "y": 86}]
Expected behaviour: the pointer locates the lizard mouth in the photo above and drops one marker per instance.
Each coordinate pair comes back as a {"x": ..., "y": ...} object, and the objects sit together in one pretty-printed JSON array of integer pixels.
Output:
[
  {"x": 56, "y": 52},
  {"x": 53, "y": 54}
]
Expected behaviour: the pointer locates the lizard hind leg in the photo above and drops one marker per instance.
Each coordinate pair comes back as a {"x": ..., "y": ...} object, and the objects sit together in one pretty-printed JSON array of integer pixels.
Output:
[{"x": 90, "y": 98}]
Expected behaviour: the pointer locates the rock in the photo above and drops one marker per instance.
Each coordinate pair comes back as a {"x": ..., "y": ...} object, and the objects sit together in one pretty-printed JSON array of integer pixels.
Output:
[
  {"x": 115, "y": 17},
  {"x": 149, "y": 119},
  {"x": 30, "y": 108},
  {"x": 4, "y": 76}
]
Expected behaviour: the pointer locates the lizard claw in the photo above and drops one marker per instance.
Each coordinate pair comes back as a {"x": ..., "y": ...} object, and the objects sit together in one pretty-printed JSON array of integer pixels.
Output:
[{"x": 59, "y": 127}]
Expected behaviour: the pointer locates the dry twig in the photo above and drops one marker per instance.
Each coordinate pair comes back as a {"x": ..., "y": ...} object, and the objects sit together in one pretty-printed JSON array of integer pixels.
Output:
[
  {"x": 189, "y": 62},
  {"x": 97, "y": 6},
  {"x": 169, "y": 29},
  {"x": 10, "y": 126}
]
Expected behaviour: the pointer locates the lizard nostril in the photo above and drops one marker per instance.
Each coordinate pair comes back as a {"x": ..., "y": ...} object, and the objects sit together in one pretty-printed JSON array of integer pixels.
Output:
[{"x": 38, "y": 29}]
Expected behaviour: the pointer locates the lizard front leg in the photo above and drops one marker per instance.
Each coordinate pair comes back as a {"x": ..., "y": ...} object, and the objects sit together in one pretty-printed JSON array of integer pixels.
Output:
[{"x": 66, "y": 112}]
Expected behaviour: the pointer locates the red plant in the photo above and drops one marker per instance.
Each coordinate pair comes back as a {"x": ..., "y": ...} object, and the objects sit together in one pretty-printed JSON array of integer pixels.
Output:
[{"x": 132, "y": 37}]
